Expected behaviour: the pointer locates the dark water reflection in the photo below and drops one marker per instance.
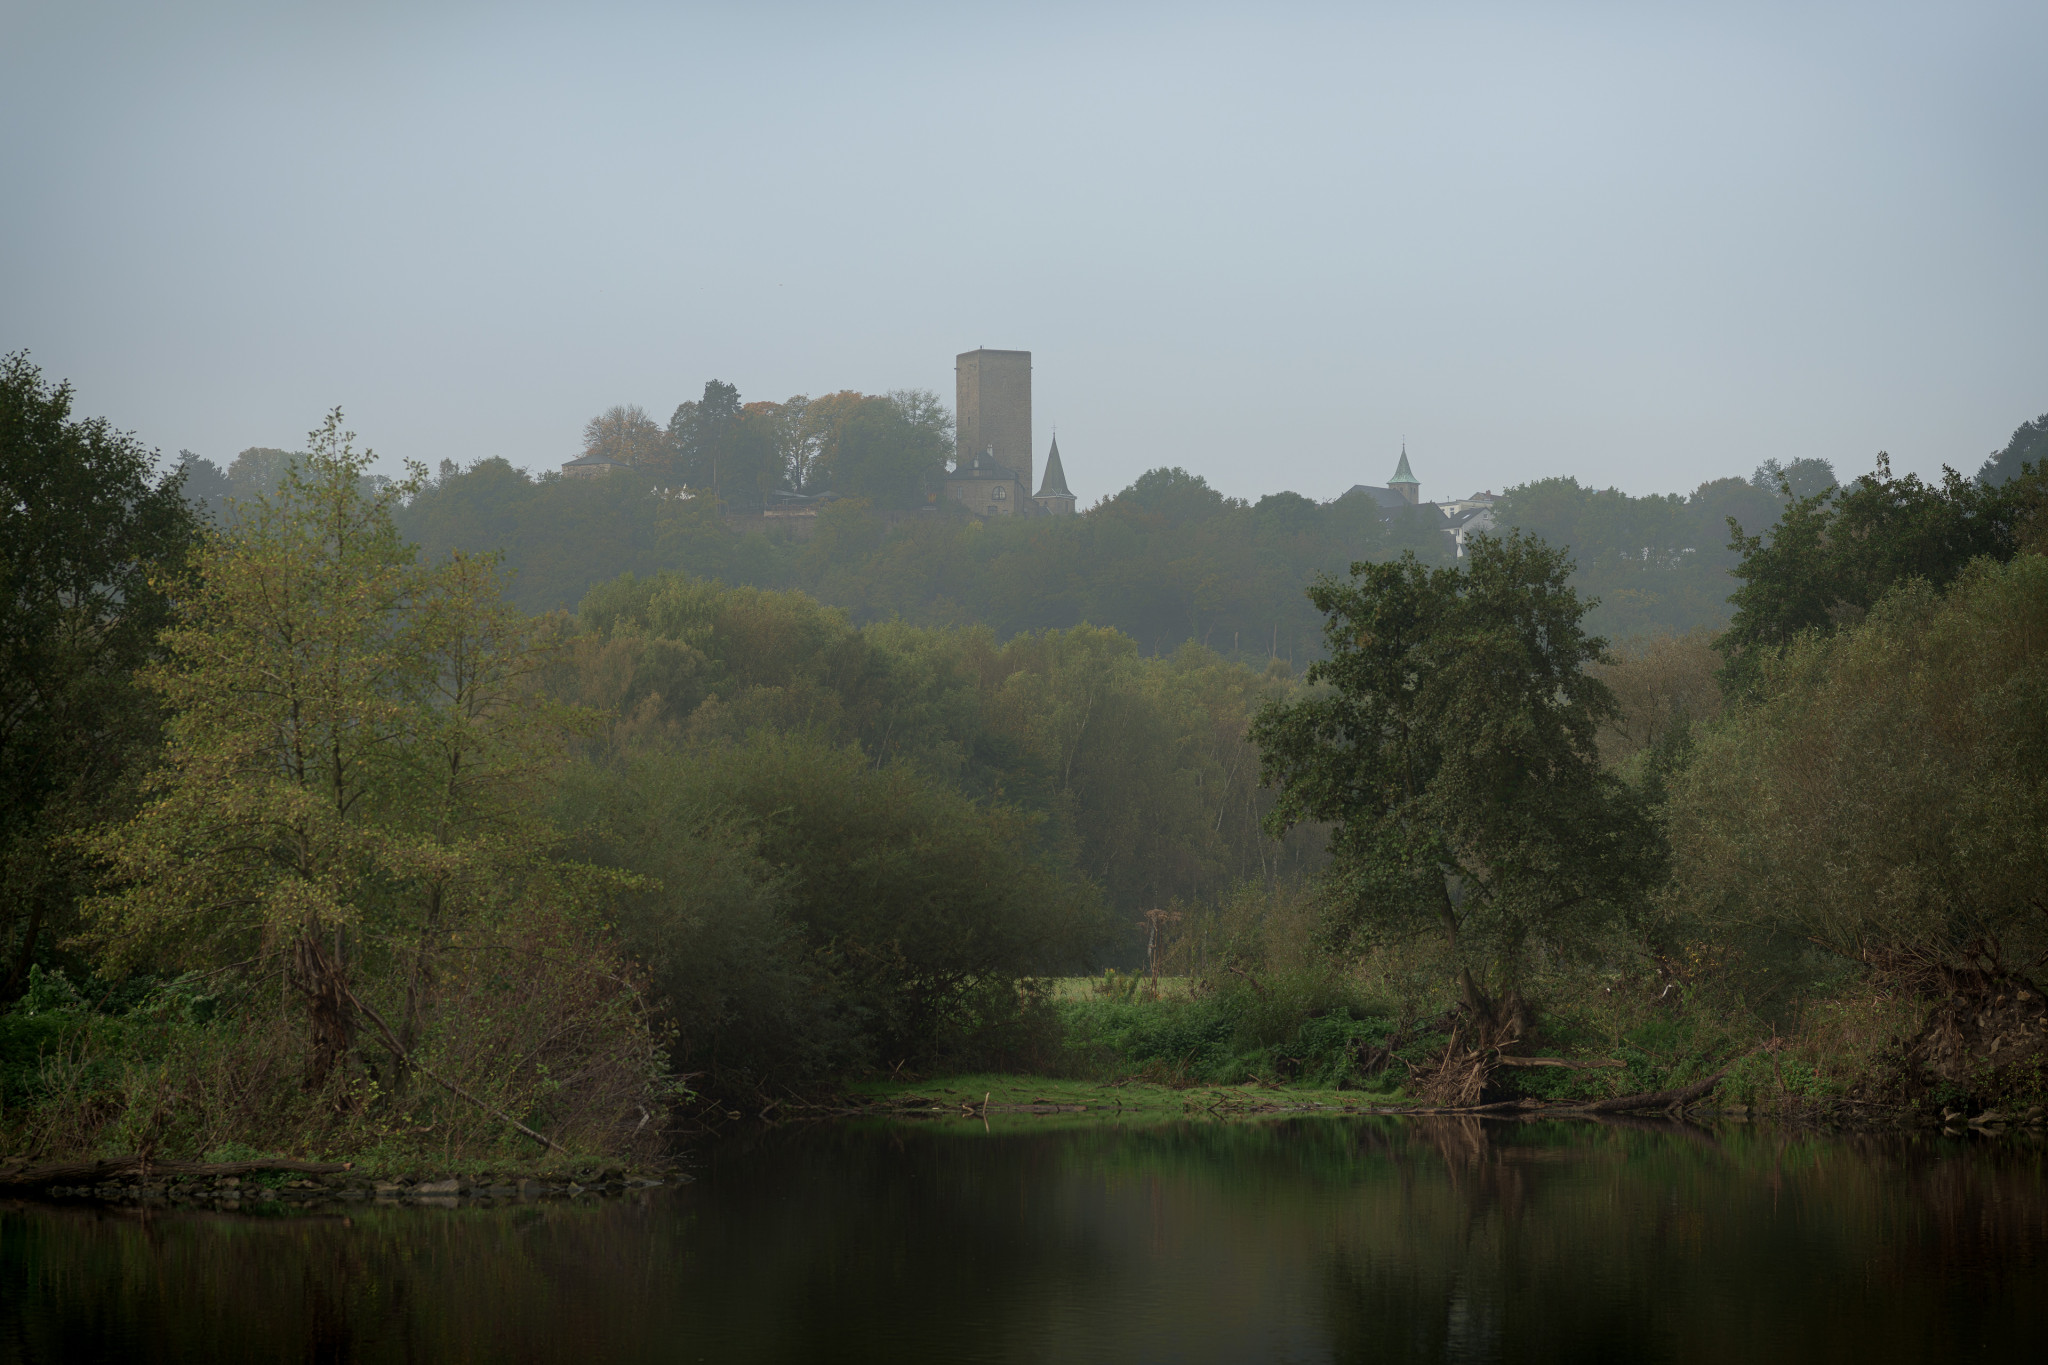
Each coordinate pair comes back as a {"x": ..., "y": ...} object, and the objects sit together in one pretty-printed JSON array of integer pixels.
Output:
[{"x": 1312, "y": 1240}]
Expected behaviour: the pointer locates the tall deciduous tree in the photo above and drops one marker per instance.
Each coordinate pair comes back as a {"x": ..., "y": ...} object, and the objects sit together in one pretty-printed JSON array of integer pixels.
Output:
[
  {"x": 1833, "y": 554},
  {"x": 627, "y": 435},
  {"x": 2027, "y": 448},
  {"x": 85, "y": 530},
  {"x": 1453, "y": 749},
  {"x": 1800, "y": 479},
  {"x": 891, "y": 450},
  {"x": 352, "y": 746},
  {"x": 1885, "y": 795}
]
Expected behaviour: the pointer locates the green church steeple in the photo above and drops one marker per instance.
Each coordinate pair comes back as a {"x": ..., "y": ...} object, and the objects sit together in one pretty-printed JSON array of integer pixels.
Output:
[{"x": 1404, "y": 481}]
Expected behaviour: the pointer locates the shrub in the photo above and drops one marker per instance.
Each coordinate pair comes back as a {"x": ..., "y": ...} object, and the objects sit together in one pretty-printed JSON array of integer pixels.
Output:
[{"x": 810, "y": 913}]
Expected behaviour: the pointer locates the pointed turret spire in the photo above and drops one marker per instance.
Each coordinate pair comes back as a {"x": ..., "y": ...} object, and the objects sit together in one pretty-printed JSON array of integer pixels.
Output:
[
  {"x": 1053, "y": 495},
  {"x": 1404, "y": 481},
  {"x": 1054, "y": 485}
]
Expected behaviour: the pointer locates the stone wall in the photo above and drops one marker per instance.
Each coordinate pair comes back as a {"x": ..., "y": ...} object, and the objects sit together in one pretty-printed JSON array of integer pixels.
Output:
[
  {"x": 987, "y": 497},
  {"x": 993, "y": 408}
]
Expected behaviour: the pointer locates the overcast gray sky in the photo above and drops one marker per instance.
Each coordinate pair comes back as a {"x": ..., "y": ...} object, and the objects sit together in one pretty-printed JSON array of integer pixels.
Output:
[{"x": 1645, "y": 244}]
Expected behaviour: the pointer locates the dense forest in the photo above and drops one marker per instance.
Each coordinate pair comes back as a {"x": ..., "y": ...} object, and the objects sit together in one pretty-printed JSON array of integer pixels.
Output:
[
  {"x": 351, "y": 813},
  {"x": 1167, "y": 560}
]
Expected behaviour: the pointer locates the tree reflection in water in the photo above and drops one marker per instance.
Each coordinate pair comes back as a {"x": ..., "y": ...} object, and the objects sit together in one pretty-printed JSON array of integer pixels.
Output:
[{"x": 1313, "y": 1239}]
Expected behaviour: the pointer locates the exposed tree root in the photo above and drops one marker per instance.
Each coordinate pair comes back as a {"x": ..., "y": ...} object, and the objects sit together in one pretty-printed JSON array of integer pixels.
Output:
[{"x": 1477, "y": 1043}]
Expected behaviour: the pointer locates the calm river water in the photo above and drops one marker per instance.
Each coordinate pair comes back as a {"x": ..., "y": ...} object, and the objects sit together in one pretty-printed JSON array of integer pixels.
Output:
[{"x": 1310, "y": 1240}]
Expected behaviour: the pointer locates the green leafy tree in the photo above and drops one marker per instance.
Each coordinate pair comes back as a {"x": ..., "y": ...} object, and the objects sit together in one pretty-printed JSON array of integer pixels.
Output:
[
  {"x": 1452, "y": 746},
  {"x": 204, "y": 484},
  {"x": 258, "y": 470},
  {"x": 817, "y": 912},
  {"x": 88, "y": 537},
  {"x": 889, "y": 449},
  {"x": 354, "y": 745},
  {"x": 737, "y": 453},
  {"x": 1655, "y": 563},
  {"x": 2028, "y": 447},
  {"x": 1885, "y": 795},
  {"x": 1803, "y": 478},
  {"x": 701, "y": 437},
  {"x": 1834, "y": 553}
]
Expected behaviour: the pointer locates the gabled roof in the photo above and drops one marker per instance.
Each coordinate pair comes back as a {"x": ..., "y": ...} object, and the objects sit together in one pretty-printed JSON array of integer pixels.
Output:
[
  {"x": 982, "y": 466},
  {"x": 1385, "y": 497},
  {"x": 1054, "y": 484},
  {"x": 597, "y": 459}
]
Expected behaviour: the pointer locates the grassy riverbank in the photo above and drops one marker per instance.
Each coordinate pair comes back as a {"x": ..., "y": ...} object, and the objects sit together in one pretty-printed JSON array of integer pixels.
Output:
[
  {"x": 1297, "y": 1038},
  {"x": 1006, "y": 1103}
]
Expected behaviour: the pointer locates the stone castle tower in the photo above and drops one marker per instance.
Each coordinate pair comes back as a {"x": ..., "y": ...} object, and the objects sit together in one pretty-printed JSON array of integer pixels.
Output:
[{"x": 993, "y": 408}]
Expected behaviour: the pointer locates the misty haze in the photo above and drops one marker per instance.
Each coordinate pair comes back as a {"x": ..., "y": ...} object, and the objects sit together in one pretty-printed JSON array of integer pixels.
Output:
[{"x": 1122, "y": 682}]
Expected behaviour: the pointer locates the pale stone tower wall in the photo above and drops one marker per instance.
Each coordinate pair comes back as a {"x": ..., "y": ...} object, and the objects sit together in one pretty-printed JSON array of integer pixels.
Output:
[{"x": 993, "y": 407}]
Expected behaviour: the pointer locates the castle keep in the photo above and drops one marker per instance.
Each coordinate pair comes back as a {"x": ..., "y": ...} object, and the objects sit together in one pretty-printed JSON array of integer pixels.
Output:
[
  {"x": 992, "y": 412},
  {"x": 992, "y": 407}
]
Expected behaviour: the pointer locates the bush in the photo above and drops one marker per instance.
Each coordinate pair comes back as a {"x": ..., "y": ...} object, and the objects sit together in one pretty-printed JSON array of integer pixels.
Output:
[
  {"x": 538, "y": 1020},
  {"x": 1311, "y": 1027},
  {"x": 809, "y": 913},
  {"x": 1887, "y": 795}
]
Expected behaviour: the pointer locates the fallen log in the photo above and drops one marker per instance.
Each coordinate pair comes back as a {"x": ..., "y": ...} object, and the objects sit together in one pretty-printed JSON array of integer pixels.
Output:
[
  {"x": 1604, "y": 1064},
  {"x": 1619, "y": 1104},
  {"x": 94, "y": 1172},
  {"x": 1654, "y": 1099},
  {"x": 1497, "y": 1107}
]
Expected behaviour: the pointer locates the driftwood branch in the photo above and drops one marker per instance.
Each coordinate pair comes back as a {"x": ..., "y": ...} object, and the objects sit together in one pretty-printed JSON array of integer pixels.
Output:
[
  {"x": 1655, "y": 1099},
  {"x": 391, "y": 1041},
  {"x": 93, "y": 1172},
  {"x": 1619, "y": 1104},
  {"x": 1497, "y": 1107}
]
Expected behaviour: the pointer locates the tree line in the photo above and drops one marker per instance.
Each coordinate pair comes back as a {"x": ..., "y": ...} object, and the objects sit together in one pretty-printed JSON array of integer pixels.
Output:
[
  {"x": 498, "y": 865},
  {"x": 517, "y": 869},
  {"x": 1165, "y": 560},
  {"x": 888, "y": 449},
  {"x": 1849, "y": 806}
]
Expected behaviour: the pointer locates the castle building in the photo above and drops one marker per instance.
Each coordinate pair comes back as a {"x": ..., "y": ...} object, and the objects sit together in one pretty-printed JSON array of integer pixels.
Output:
[
  {"x": 992, "y": 392},
  {"x": 988, "y": 488},
  {"x": 591, "y": 466},
  {"x": 992, "y": 411},
  {"x": 1052, "y": 494}
]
